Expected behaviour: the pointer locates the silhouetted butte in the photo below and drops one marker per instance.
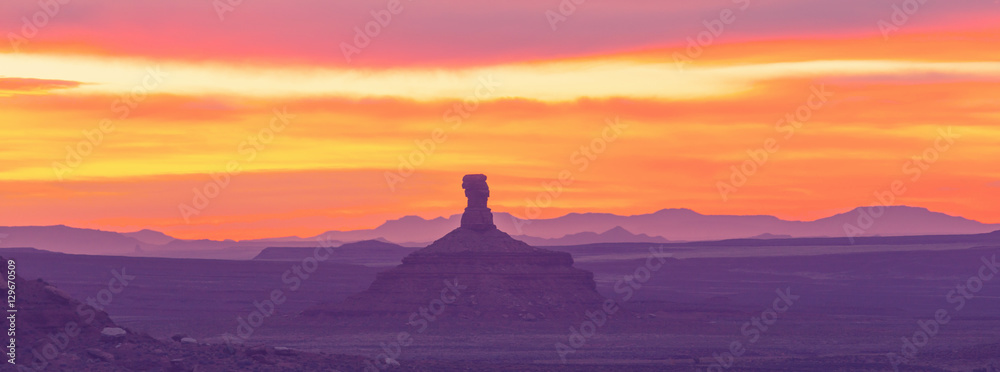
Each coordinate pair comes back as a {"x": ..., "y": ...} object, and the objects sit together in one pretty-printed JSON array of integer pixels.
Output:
[{"x": 481, "y": 271}]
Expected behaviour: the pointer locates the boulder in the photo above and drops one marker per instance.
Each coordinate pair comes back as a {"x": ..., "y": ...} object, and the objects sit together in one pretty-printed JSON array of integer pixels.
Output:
[
  {"x": 100, "y": 355},
  {"x": 113, "y": 334}
]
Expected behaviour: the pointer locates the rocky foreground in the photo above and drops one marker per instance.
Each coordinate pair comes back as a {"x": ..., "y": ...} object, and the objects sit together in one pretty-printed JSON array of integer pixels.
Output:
[{"x": 55, "y": 332}]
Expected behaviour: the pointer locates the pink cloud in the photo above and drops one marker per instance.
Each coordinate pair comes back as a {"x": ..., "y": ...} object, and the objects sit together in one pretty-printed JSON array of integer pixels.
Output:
[{"x": 446, "y": 33}]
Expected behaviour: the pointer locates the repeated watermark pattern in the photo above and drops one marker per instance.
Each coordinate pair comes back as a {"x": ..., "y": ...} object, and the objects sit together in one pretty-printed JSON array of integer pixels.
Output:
[
  {"x": 958, "y": 297},
  {"x": 249, "y": 148},
  {"x": 915, "y": 168},
  {"x": 420, "y": 320},
  {"x": 292, "y": 280},
  {"x": 32, "y": 24},
  {"x": 562, "y": 12},
  {"x": 455, "y": 115},
  {"x": 786, "y": 126},
  {"x": 626, "y": 288},
  {"x": 753, "y": 330},
  {"x": 713, "y": 30},
  {"x": 582, "y": 158},
  {"x": 993, "y": 366},
  {"x": 899, "y": 17},
  {"x": 95, "y": 137},
  {"x": 363, "y": 35}
]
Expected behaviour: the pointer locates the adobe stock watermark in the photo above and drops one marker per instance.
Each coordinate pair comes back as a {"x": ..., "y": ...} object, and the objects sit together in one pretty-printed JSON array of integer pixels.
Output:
[
  {"x": 992, "y": 366},
  {"x": 582, "y": 158},
  {"x": 456, "y": 115},
  {"x": 899, "y": 17},
  {"x": 626, "y": 287},
  {"x": 562, "y": 12},
  {"x": 713, "y": 30},
  {"x": 420, "y": 319},
  {"x": 33, "y": 24},
  {"x": 363, "y": 35},
  {"x": 60, "y": 340},
  {"x": 753, "y": 330},
  {"x": 222, "y": 7},
  {"x": 249, "y": 148},
  {"x": 292, "y": 280},
  {"x": 927, "y": 329},
  {"x": 758, "y": 157},
  {"x": 915, "y": 167},
  {"x": 94, "y": 137}
]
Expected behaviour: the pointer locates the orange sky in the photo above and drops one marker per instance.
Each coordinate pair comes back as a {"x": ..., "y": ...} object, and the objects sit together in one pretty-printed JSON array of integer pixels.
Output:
[{"x": 314, "y": 136}]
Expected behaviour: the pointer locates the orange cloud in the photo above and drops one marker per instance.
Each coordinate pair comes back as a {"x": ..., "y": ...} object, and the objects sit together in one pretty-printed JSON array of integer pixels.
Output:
[
  {"x": 327, "y": 169},
  {"x": 402, "y": 106},
  {"x": 11, "y": 86}
]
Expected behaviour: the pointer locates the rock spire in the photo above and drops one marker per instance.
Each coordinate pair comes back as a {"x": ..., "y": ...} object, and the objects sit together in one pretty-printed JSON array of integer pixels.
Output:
[{"x": 477, "y": 215}]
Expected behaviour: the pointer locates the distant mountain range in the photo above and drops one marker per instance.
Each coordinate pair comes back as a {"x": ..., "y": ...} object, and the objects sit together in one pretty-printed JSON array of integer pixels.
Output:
[
  {"x": 683, "y": 225},
  {"x": 150, "y": 237},
  {"x": 67, "y": 239},
  {"x": 572, "y": 229},
  {"x": 616, "y": 234}
]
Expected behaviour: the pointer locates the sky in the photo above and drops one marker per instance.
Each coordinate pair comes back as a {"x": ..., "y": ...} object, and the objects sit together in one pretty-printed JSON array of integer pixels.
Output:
[{"x": 232, "y": 119}]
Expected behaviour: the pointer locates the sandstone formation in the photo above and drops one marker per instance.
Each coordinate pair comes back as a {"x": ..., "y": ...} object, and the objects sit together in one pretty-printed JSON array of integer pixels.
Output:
[
  {"x": 477, "y": 216},
  {"x": 477, "y": 271}
]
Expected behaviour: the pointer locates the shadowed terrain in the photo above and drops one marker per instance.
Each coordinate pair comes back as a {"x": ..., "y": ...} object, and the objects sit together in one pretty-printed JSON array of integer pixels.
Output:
[{"x": 853, "y": 307}]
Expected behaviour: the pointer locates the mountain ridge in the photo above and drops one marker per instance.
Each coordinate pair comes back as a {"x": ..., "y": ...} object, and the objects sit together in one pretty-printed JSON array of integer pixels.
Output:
[
  {"x": 672, "y": 224},
  {"x": 682, "y": 224}
]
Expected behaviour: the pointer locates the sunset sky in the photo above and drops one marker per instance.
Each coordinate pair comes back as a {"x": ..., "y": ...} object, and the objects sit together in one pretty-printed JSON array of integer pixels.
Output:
[{"x": 114, "y": 113}]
